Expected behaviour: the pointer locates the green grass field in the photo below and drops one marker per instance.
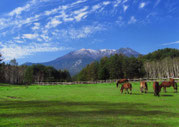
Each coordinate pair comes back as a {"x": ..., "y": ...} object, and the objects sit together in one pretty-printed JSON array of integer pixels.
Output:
[{"x": 92, "y": 105}]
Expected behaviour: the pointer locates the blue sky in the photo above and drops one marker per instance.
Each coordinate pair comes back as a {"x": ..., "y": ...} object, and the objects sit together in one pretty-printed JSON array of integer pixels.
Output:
[{"x": 42, "y": 30}]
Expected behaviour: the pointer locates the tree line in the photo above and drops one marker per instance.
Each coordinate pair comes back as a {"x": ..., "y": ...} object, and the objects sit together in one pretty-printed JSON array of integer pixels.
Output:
[
  {"x": 114, "y": 67},
  {"x": 165, "y": 68},
  {"x": 14, "y": 74},
  {"x": 163, "y": 63}
]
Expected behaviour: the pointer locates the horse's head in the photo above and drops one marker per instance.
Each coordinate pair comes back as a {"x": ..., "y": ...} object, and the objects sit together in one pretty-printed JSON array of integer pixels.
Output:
[
  {"x": 122, "y": 87},
  {"x": 172, "y": 80},
  {"x": 121, "y": 90}
]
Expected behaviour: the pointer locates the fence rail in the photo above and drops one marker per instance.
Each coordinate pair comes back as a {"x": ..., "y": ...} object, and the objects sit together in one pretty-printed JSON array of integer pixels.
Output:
[{"x": 102, "y": 81}]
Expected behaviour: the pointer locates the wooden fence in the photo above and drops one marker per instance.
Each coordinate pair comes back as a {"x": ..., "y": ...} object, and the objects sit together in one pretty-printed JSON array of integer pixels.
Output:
[{"x": 102, "y": 81}]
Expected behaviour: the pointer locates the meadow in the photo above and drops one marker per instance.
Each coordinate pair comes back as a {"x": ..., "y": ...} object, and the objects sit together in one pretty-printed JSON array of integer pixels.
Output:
[{"x": 93, "y": 105}]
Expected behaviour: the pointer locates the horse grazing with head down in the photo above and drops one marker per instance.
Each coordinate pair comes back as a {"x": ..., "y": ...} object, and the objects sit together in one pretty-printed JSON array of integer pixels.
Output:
[
  {"x": 170, "y": 83},
  {"x": 126, "y": 86},
  {"x": 143, "y": 87},
  {"x": 156, "y": 88},
  {"x": 121, "y": 81}
]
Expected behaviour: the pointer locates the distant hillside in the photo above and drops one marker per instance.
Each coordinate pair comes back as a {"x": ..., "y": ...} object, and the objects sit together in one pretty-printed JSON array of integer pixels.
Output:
[
  {"x": 161, "y": 54},
  {"x": 163, "y": 63},
  {"x": 75, "y": 61}
]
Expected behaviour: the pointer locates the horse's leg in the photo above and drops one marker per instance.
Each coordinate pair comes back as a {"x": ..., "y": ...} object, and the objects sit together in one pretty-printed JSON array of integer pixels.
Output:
[
  {"x": 175, "y": 87},
  {"x": 141, "y": 89},
  {"x": 154, "y": 93},
  {"x": 127, "y": 91},
  {"x": 131, "y": 90},
  {"x": 158, "y": 93},
  {"x": 164, "y": 89}
]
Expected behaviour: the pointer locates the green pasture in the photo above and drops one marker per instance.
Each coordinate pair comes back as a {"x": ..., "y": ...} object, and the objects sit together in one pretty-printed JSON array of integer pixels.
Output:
[{"x": 95, "y": 105}]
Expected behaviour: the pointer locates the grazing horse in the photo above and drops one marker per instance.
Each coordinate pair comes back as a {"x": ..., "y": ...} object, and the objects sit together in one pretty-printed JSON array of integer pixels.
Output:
[
  {"x": 143, "y": 87},
  {"x": 121, "y": 81},
  {"x": 126, "y": 86},
  {"x": 169, "y": 84},
  {"x": 156, "y": 88}
]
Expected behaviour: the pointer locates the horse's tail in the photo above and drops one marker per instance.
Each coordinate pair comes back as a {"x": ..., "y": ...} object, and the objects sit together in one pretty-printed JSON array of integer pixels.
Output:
[
  {"x": 146, "y": 86},
  {"x": 117, "y": 84}
]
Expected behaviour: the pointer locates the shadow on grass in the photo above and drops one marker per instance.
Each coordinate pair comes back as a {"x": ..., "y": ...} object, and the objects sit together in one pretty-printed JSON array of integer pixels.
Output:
[
  {"x": 137, "y": 93},
  {"x": 165, "y": 95},
  {"x": 89, "y": 113},
  {"x": 150, "y": 92}
]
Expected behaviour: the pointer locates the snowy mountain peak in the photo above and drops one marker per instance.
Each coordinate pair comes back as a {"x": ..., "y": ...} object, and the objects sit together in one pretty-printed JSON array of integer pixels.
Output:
[
  {"x": 75, "y": 61},
  {"x": 96, "y": 54}
]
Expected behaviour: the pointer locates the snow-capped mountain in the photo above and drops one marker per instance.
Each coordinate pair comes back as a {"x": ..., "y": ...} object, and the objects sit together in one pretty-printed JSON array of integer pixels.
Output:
[{"x": 75, "y": 61}]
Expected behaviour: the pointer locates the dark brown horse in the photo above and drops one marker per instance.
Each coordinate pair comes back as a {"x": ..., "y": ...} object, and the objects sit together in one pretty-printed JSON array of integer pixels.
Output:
[
  {"x": 143, "y": 87},
  {"x": 126, "y": 86},
  {"x": 121, "y": 81},
  {"x": 156, "y": 88},
  {"x": 170, "y": 83}
]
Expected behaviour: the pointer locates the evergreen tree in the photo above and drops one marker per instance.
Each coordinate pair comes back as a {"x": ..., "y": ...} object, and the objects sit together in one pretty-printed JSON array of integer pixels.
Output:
[{"x": 28, "y": 77}]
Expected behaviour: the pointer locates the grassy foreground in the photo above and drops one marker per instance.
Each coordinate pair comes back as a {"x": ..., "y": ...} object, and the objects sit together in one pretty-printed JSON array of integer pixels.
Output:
[{"x": 86, "y": 106}]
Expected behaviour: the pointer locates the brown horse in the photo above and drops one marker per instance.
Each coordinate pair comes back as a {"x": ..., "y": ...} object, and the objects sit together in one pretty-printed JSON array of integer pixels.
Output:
[
  {"x": 156, "y": 88},
  {"x": 126, "y": 86},
  {"x": 170, "y": 83},
  {"x": 143, "y": 87},
  {"x": 121, "y": 81}
]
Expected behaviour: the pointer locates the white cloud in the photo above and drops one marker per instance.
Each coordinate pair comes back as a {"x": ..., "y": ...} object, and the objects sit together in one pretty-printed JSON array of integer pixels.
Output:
[
  {"x": 16, "y": 51},
  {"x": 19, "y": 41},
  {"x": 106, "y": 2},
  {"x": 17, "y": 22},
  {"x": 81, "y": 10},
  {"x": 142, "y": 5},
  {"x": 80, "y": 14},
  {"x": 36, "y": 26},
  {"x": 171, "y": 43},
  {"x": 125, "y": 7},
  {"x": 30, "y": 36},
  {"x": 124, "y": 1},
  {"x": 45, "y": 37},
  {"x": 17, "y": 38},
  {"x": 53, "y": 11},
  {"x": 53, "y": 23},
  {"x": 63, "y": 8},
  {"x": 78, "y": 2},
  {"x": 84, "y": 31},
  {"x": 132, "y": 20},
  {"x": 99, "y": 6},
  {"x": 95, "y": 7},
  {"x": 116, "y": 3},
  {"x": 19, "y": 10}
]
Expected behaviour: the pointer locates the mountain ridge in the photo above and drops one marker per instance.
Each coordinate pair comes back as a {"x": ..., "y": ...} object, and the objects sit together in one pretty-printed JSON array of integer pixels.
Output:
[{"x": 75, "y": 61}]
